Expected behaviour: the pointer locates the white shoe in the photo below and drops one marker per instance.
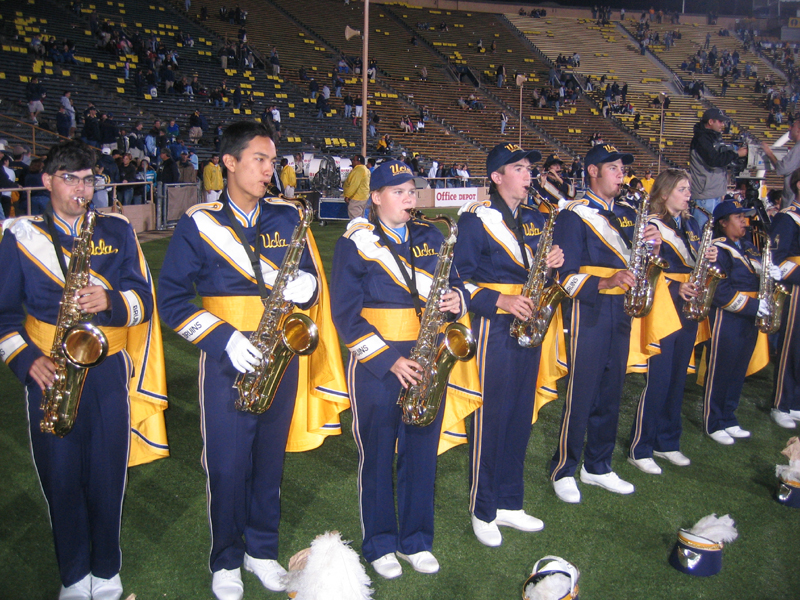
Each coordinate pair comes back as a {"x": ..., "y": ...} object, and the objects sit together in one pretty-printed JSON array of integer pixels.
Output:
[
  {"x": 270, "y": 572},
  {"x": 676, "y": 457},
  {"x": 567, "y": 490},
  {"x": 487, "y": 533},
  {"x": 423, "y": 562},
  {"x": 227, "y": 584},
  {"x": 737, "y": 432},
  {"x": 518, "y": 519},
  {"x": 721, "y": 437},
  {"x": 387, "y": 566},
  {"x": 795, "y": 414},
  {"x": 77, "y": 591},
  {"x": 609, "y": 481},
  {"x": 106, "y": 589},
  {"x": 648, "y": 465},
  {"x": 783, "y": 419}
]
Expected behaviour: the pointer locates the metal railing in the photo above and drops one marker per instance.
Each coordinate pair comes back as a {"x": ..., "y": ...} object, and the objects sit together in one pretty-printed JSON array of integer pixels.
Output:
[
  {"x": 113, "y": 197},
  {"x": 46, "y": 137}
]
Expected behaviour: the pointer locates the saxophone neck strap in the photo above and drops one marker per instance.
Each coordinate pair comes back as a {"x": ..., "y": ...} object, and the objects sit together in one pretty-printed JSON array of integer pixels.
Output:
[
  {"x": 614, "y": 221},
  {"x": 51, "y": 228},
  {"x": 253, "y": 255},
  {"x": 513, "y": 223},
  {"x": 411, "y": 280}
]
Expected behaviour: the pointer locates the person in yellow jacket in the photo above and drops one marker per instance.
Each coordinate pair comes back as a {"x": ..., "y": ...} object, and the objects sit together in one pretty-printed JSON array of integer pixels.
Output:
[
  {"x": 212, "y": 179},
  {"x": 288, "y": 178},
  {"x": 356, "y": 188}
]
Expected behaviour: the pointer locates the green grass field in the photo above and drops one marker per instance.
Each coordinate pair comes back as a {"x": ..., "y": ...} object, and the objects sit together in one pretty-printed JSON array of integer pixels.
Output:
[{"x": 620, "y": 544}]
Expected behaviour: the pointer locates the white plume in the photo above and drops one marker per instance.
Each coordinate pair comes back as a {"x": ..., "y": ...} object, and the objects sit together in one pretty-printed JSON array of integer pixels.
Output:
[
  {"x": 552, "y": 587},
  {"x": 717, "y": 529}
]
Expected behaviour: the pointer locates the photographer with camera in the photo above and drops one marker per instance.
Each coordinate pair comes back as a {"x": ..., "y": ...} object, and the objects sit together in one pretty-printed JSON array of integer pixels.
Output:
[
  {"x": 788, "y": 164},
  {"x": 709, "y": 159}
]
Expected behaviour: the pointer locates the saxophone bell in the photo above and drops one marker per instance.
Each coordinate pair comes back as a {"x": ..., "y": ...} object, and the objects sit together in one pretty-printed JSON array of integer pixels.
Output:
[{"x": 84, "y": 346}]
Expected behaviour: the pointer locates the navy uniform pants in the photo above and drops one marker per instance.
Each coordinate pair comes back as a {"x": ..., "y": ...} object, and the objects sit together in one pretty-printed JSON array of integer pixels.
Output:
[
  {"x": 599, "y": 342},
  {"x": 501, "y": 428},
  {"x": 243, "y": 459},
  {"x": 733, "y": 339},
  {"x": 83, "y": 474},
  {"x": 657, "y": 425},
  {"x": 378, "y": 430},
  {"x": 787, "y": 375}
]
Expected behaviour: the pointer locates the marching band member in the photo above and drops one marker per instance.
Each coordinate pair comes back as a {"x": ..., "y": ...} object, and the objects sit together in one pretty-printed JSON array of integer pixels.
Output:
[
  {"x": 733, "y": 335},
  {"x": 381, "y": 277},
  {"x": 594, "y": 233},
  {"x": 785, "y": 231},
  {"x": 496, "y": 244},
  {"x": 551, "y": 185},
  {"x": 229, "y": 252},
  {"x": 83, "y": 474},
  {"x": 657, "y": 427}
]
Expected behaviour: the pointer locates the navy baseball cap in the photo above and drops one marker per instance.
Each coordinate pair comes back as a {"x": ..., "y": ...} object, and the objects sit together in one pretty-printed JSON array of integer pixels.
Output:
[
  {"x": 730, "y": 207},
  {"x": 505, "y": 154},
  {"x": 714, "y": 114},
  {"x": 603, "y": 153},
  {"x": 393, "y": 172}
]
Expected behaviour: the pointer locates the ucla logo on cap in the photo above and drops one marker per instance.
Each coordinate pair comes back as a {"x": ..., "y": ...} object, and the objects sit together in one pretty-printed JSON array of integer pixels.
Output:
[
  {"x": 609, "y": 148},
  {"x": 400, "y": 169},
  {"x": 512, "y": 147},
  {"x": 737, "y": 204}
]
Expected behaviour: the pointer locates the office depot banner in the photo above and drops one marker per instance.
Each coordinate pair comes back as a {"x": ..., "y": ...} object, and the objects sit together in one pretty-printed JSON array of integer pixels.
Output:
[{"x": 457, "y": 196}]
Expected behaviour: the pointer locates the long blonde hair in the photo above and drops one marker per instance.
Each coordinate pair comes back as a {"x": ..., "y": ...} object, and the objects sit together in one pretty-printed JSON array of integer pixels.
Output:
[{"x": 662, "y": 187}]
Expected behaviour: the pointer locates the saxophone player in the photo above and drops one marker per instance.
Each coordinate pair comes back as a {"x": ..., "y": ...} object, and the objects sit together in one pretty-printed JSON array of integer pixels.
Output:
[
  {"x": 228, "y": 252},
  {"x": 83, "y": 474},
  {"x": 657, "y": 428},
  {"x": 595, "y": 234},
  {"x": 381, "y": 277},
  {"x": 785, "y": 232},
  {"x": 733, "y": 334},
  {"x": 497, "y": 241}
]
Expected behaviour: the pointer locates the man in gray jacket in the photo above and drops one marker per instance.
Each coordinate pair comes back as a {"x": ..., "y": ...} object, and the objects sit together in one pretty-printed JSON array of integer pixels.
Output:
[
  {"x": 788, "y": 164},
  {"x": 709, "y": 159}
]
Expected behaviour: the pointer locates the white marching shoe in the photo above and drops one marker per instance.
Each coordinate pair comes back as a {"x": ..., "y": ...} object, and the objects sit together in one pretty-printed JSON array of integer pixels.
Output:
[
  {"x": 737, "y": 432},
  {"x": 518, "y": 519},
  {"x": 77, "y": 591},
  {"x": 783, "y": 419},
  {"x": 721, "y": 437},
  {"x": 106, "y": 589},
  {"x": 387, "y": 566},
  {"x": 609, "y": 481},
  {"x": 227, "y": 584},
  {"x": 567, "y": 490},
  {"x": 647, "y": 465},
  {"x": 488, "y": 534},
  {"x": 423, "y": 562},
  {"x": 268, "y": 571},
  {"x": 676, "y": 457}
]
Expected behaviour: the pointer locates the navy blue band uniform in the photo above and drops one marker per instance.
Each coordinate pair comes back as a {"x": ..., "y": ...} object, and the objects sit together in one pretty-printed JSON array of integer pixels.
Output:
[
  {"x": 374, "y": 314},
  {"x": 786, "y": 229},
  {"x": 489, "y": 258},
  {"x": 83, "y": 475},
  {"x": 242, "y": 452},
  {"x": 657, "y": 425},
  {"x": 587, "y": 230},
  {"x": 733, "y": 332}
]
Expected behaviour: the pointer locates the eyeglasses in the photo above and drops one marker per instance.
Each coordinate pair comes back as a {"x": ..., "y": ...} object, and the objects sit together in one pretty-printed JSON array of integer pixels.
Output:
[{"x": 74, "y": 180}]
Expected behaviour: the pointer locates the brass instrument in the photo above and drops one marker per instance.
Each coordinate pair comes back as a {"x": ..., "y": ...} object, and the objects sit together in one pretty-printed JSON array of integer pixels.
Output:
[
  {"x": 421, "y": 402},
  {"x": 772, "y": 292},
  {"x": 704, "y": 277},
  {"x": 645, "y": 266},
  {"x": 531, "y": 333},
  {"x": 78, "y": 345},
  {"x": 280, "y": 334}
]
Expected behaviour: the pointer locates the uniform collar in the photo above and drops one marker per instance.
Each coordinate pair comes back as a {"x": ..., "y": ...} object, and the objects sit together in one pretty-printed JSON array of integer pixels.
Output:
[
  {"x": 596, "y": 201},
  {"x": 64, "y": 226},
  {"x": 246, "y": 219}
]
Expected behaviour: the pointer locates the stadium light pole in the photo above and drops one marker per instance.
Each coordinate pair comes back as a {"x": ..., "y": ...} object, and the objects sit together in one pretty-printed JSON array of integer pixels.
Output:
[
  {"x": 364, "y": 79},
  {"x": 661, "y": 133},
  {"x": 520, "y": 80}
]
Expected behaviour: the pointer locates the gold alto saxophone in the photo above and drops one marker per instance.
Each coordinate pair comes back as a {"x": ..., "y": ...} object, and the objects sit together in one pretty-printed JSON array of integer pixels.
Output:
[
  {"x": 704, "y": 277},
  {"x": 645, "y": 266},
  {"x": 530, "y": 333},
  {"x": 421, "y": 402},
  {"x": 772, "y": 292},
  {"x": 280, "y": 334},
  {"x": 78, "y": 345}
]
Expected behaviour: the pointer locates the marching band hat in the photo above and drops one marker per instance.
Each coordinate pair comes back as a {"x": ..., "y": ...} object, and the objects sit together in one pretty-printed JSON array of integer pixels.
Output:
[
  {"x": 730, "y": 207},
  {"x": 603, "y": 153},
  {"x": 393, "y": 172},
  {"x": 552, "y": 160},
  {"x": 552, "y": 565},
  {"x": 788, "y": 492},
  {"x": 505, "y": 154},
  {"x": 696, "y": 555}
]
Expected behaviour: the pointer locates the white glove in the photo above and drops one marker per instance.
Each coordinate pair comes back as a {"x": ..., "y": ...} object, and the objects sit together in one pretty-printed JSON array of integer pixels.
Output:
[
  {"x": 300, "y": 289},
  {"x": 763, "y": 308},
  {"x": 775, "y": 272},
  {"x": 244, "y": 356}
]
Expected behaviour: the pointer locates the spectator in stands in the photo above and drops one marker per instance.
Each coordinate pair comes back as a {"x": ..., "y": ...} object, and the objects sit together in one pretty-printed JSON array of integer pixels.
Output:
[
  {"x": 136, "y": 141},
  {"x": 35, "y": 92},
  {"x": 275, "y": 62},
  {"x": 177, "y": 148},
  {"x": 500, "y": 74},
  {"x": 212, "y": 179},
  {"x": 313, "y": 88},
  {"x": 503, "y": 123},
  {"x": 108, "y": 131},
  {"x": 326, "y": 91},
  {"x": 373, "y": 124},
  {"x": 322, "y": 106},
  {"x": 338, "y": 84},
  {"x": 127, "y": 173},
  {"x": 348, "y": 106},
  {"x": 275, "y": 118},
  {"x": 372, "y": 70},
  {"x": 709, "y": 159},
  {"x": 576, "y": 170},
  {"x": 648, "y": 180},
  {"x": 39, "y": 198},
  {"x": 462, "y": 103},
  {"x": 186, "y": 171},
  {"x": 359, "y": 109},
  {"x": 91, "y": 128},
  {"x": 405, "y": 125},
  {"x": 197, "y": 126},
  {"x": 147, "y": 174},
  {"x": 63, "y": 122},
  {"x": 423, "y": 73},
  {"x": 288, "y": 178},
  {"x": 66, "y": 102},
  {"x": 356, "y": 188}
]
